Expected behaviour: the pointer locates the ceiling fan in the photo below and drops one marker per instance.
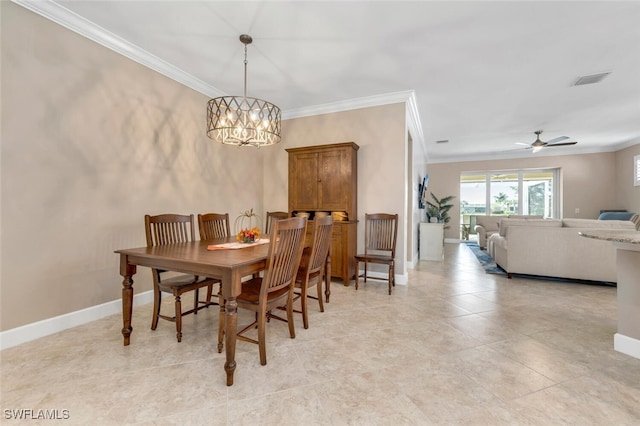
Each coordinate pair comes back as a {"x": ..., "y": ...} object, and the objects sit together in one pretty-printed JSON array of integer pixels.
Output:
[{"x": 538, "y": 144}]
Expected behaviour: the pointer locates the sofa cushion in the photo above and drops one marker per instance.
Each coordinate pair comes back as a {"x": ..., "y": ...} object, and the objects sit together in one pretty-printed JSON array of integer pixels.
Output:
[
  {"x": 597, "y": 224},
  {"x": 489, "y": 223},
  {"x": 522, "y": 216},
  {"x": 496, "y": 240},
  {"x": 506, "y": 223}
]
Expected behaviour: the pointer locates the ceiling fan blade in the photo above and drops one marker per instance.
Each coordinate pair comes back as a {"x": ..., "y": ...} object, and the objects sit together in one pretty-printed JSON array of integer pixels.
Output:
[
  {"x": 561, "y": 144},
  {"x": 520, "y": 143},
  {"x": 558, "y": 139}
]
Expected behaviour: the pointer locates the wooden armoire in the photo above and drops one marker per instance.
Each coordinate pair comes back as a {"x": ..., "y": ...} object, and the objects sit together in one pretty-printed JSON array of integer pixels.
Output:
[{"x": 324, "y": 178}]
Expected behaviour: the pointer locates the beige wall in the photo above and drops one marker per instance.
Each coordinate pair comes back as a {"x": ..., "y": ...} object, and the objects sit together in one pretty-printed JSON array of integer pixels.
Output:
[
  {"x": 91, "y": 142},
  {"x": 589, "y": 182},
  {"x": 627, "y": 195},
  {"x": 381, "y": 135}
]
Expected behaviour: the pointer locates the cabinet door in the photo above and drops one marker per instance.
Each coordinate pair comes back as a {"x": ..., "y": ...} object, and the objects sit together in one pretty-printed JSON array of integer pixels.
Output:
[
  {"x": 333, "y": 186},
  {"x": 337, "y": 255},
  {"x": 303, "y": 182}
]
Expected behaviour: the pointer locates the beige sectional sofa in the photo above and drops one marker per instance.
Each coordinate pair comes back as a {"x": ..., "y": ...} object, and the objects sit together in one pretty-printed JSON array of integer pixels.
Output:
[
  {"x": 486, "y": 226},
  {"x": 552, "y": 247}
]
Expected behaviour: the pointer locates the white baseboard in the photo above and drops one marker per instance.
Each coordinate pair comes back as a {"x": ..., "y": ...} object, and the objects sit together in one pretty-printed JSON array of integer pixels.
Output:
[
  {"x": 627, "y": 345},
  {"x": 35, "y": 330},
  {"x": 413, "y": 264}
]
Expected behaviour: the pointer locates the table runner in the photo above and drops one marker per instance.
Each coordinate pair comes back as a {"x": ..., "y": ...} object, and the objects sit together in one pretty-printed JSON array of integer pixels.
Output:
[{"x": 237, "y": 245}]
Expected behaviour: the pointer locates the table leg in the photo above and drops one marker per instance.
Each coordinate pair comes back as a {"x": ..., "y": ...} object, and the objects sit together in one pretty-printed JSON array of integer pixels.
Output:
[
  {"x": 127, "y": 271},
  {"x": 221, "y": 326},
  {"x": 231, "y": 320}
]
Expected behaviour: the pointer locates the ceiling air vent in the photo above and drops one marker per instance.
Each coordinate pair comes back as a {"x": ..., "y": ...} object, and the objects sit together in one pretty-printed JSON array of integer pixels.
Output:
[
  {"x": 443, "y": 141},
  {"x": 591, "y": 79}
]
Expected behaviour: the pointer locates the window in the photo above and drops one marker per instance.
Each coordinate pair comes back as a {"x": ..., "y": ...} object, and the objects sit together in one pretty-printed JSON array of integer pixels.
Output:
[
  {"x": 636, "y": 170},
  {"x": 506, "y": 192}
]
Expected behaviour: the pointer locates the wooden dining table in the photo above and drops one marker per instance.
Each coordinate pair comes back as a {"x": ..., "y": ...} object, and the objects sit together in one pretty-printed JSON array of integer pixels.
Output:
[{"x": 229, "y": 265}]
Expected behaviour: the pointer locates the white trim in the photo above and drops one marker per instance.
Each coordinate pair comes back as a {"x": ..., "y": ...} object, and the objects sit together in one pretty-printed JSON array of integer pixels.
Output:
[
  {"x": 627, "y": 345},
  {"x": 627, "y": 144},
  {"x": 636, "y": 170},
  {"x": 414, "y": 263},
  {"x": 76, "y": 23},
  {"x": 357, "y": 103},
  {"x": 526, "y": 154},
  {"x": 29, "y": 332},
  {"x": 414, "y": 124}
]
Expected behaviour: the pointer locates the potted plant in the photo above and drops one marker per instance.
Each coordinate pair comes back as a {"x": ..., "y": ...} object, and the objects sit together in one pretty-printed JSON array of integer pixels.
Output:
[
  {"x": 432, "y": 214},
  {"x": 439, "y": 208}
]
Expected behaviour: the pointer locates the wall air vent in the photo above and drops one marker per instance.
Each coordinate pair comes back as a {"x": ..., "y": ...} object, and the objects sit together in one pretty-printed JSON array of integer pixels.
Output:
[
  {"x": 591, "y": 79},
  {"x": 443, "y": 141}
]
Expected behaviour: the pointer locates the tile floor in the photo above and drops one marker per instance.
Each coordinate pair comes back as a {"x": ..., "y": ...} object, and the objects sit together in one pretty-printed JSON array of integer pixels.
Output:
[{"x": 455, "y": 346}]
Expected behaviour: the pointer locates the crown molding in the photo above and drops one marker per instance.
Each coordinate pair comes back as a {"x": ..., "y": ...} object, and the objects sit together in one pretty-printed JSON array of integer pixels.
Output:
[
  {"x": 407, "y": 97},
  {"x": 350, "y": 104},
  {"x": 413, "y": 121},
  {"x": 59, "y": 14},
  {"x": 627, "y": 144},
  {"x": 524, "y": 154}
]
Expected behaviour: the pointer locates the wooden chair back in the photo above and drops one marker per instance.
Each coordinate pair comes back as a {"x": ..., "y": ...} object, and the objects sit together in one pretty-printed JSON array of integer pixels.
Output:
[
  {"x": 285, "y": 251},
  {"x": 168, "y": 229},
  {"x": 272, "y": 217},
  {"x": 213, "y": 226},
  {"x": 321, "y": 242},
  {"x": 381, "y": 233},
  {"x": 313, "y": 264}
]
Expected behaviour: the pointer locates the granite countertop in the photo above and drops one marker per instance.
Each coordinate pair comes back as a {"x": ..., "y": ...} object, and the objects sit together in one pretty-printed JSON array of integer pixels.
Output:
[{"x": 618, "y": 236}]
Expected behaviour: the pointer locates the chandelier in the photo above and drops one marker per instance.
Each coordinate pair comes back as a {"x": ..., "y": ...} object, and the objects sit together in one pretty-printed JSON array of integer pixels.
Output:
[{"x": 241, "y": 120}]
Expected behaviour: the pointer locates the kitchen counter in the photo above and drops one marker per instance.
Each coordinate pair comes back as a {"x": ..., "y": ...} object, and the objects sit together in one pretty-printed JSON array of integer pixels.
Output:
[{"x": 627, "y": 243}]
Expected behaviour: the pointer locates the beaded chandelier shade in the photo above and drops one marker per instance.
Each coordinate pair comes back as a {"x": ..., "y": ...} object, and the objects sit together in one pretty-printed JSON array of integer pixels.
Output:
[{"x": 241, "y": 120}]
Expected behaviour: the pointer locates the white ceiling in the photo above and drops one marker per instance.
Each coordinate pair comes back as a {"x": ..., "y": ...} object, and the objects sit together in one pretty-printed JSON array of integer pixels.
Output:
[{"x": 485, "y": 75}]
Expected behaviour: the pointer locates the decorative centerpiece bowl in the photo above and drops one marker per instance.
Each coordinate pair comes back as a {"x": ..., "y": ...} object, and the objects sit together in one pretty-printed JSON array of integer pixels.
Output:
[
  {"x": 247, "y": 227},
  {"x": 248, "y": 235}
]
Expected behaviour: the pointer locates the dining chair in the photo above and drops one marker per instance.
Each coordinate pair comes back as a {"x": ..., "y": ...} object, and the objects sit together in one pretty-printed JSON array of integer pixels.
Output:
[
  {"x": 262, "y": 294},
  {"x": 312, "y": 267},
  {"x": 170, "y": 229},
  {"x": 272, "y": 217},
  {"x": 213, "y": 226},
  {"x": 380, "y": 237}
]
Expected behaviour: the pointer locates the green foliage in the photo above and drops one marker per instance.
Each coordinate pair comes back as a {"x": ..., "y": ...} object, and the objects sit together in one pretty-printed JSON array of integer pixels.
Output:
[{"x": 440, "y": 208}]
